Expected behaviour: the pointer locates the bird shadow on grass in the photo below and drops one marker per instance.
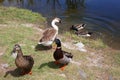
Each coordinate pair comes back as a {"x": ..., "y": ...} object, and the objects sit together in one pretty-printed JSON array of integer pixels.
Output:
[
  {"x": 15, "y": 73},
  {"x": 40, "y": 47},
  {"x": 50, "y": 64}
]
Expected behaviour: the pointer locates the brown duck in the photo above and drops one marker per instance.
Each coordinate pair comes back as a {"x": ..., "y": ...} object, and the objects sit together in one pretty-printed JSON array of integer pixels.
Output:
[{"x": 23, "y": 62}]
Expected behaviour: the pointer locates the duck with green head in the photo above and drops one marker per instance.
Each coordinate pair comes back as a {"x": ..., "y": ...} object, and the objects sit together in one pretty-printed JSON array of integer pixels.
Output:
[{"x": 61, "y": 56}]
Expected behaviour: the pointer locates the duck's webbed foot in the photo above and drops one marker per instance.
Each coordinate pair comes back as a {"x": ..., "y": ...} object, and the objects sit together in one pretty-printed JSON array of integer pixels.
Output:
[
  {"x": 63, "y": 67},
  {"x": 30, "y": 73}
]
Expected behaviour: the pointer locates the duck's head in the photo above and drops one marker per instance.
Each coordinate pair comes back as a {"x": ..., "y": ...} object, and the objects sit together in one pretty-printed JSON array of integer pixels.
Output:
[
  {"x": 56, "y": 20},
  {"x": 16, "y": 48},
  {"x": 58, "y": 42}
]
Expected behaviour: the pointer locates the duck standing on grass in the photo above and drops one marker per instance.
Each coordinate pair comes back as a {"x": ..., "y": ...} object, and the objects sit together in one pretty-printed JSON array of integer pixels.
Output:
[
  {"x": 23, "y": 62},
  {"x": 61, "y": 56},
  {"x": 50, "y": 34}
]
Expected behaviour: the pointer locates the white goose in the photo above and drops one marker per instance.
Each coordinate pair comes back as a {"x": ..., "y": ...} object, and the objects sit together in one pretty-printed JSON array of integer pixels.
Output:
[{"x": 50, "y": 34}]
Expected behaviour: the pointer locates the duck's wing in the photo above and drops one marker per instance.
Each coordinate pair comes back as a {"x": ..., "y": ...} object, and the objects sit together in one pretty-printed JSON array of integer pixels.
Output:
[
  {"x": 48, "y": 34},
  {"x": 66, "y": 58},
  {"x": 27, "y": 63},
  {"x": 29, "y": 59},
  {"x": 67, "y": 54}
]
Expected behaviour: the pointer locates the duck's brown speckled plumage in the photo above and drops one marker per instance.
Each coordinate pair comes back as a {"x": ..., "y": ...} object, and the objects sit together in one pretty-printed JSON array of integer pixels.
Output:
[{"x": 25, "y": 63}]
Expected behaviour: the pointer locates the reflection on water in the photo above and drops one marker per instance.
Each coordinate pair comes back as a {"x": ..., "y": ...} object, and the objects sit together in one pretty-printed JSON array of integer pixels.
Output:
[
  {"x": 99, "y": 15},
  {"x": 73, "y": 4}
]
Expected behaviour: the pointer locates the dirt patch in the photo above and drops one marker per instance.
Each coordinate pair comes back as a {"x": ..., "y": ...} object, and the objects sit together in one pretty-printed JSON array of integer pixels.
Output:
[
  {"x": 74, "y": 46},
  {"x": 2, "y": 51},
  {"x": 3, "y": 66},
  {"x": 95, "y": 59},
  {"x": 3, "y": 25}
]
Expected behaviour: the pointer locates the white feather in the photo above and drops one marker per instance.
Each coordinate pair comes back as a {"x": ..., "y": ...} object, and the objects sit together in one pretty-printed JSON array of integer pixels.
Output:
[{"x": 14, "y": 55}]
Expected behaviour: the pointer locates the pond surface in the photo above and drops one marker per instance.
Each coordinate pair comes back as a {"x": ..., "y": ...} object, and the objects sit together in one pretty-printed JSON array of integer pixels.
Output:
[{"x": 101, "y": 16}]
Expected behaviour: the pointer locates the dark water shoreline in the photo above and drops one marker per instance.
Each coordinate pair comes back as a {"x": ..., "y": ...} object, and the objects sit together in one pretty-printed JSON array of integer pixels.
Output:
[{"x": 100, "y": 17}]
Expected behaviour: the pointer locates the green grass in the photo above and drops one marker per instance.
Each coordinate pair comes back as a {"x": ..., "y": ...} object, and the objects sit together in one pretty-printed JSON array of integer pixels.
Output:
[
  {"x": 8, "y": 14},
  {"x": 44, "y": 68},
  {"x": 117, "y": 58}
]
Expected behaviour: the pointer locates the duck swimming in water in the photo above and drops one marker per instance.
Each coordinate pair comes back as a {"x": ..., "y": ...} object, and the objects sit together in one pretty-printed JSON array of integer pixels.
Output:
[{"x": 50, "y": 34}]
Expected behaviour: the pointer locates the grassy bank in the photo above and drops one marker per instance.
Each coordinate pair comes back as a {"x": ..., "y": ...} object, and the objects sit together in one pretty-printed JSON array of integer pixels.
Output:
[
  {"x": 10, "y": 15},
  {"x": 19, "y": 26}
]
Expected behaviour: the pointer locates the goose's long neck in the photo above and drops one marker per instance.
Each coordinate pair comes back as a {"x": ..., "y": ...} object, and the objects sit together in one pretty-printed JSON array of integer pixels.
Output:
[{"x": 54, "y": 25}]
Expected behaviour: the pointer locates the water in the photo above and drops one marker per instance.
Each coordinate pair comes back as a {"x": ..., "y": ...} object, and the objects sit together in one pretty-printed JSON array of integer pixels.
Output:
[{"x": 101, "y": 16}]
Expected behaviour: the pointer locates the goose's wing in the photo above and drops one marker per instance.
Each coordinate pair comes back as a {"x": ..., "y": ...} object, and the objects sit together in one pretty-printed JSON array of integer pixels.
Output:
[
  {"x": 46, "y": 31},
  {"x": 48, "y": 34}
]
